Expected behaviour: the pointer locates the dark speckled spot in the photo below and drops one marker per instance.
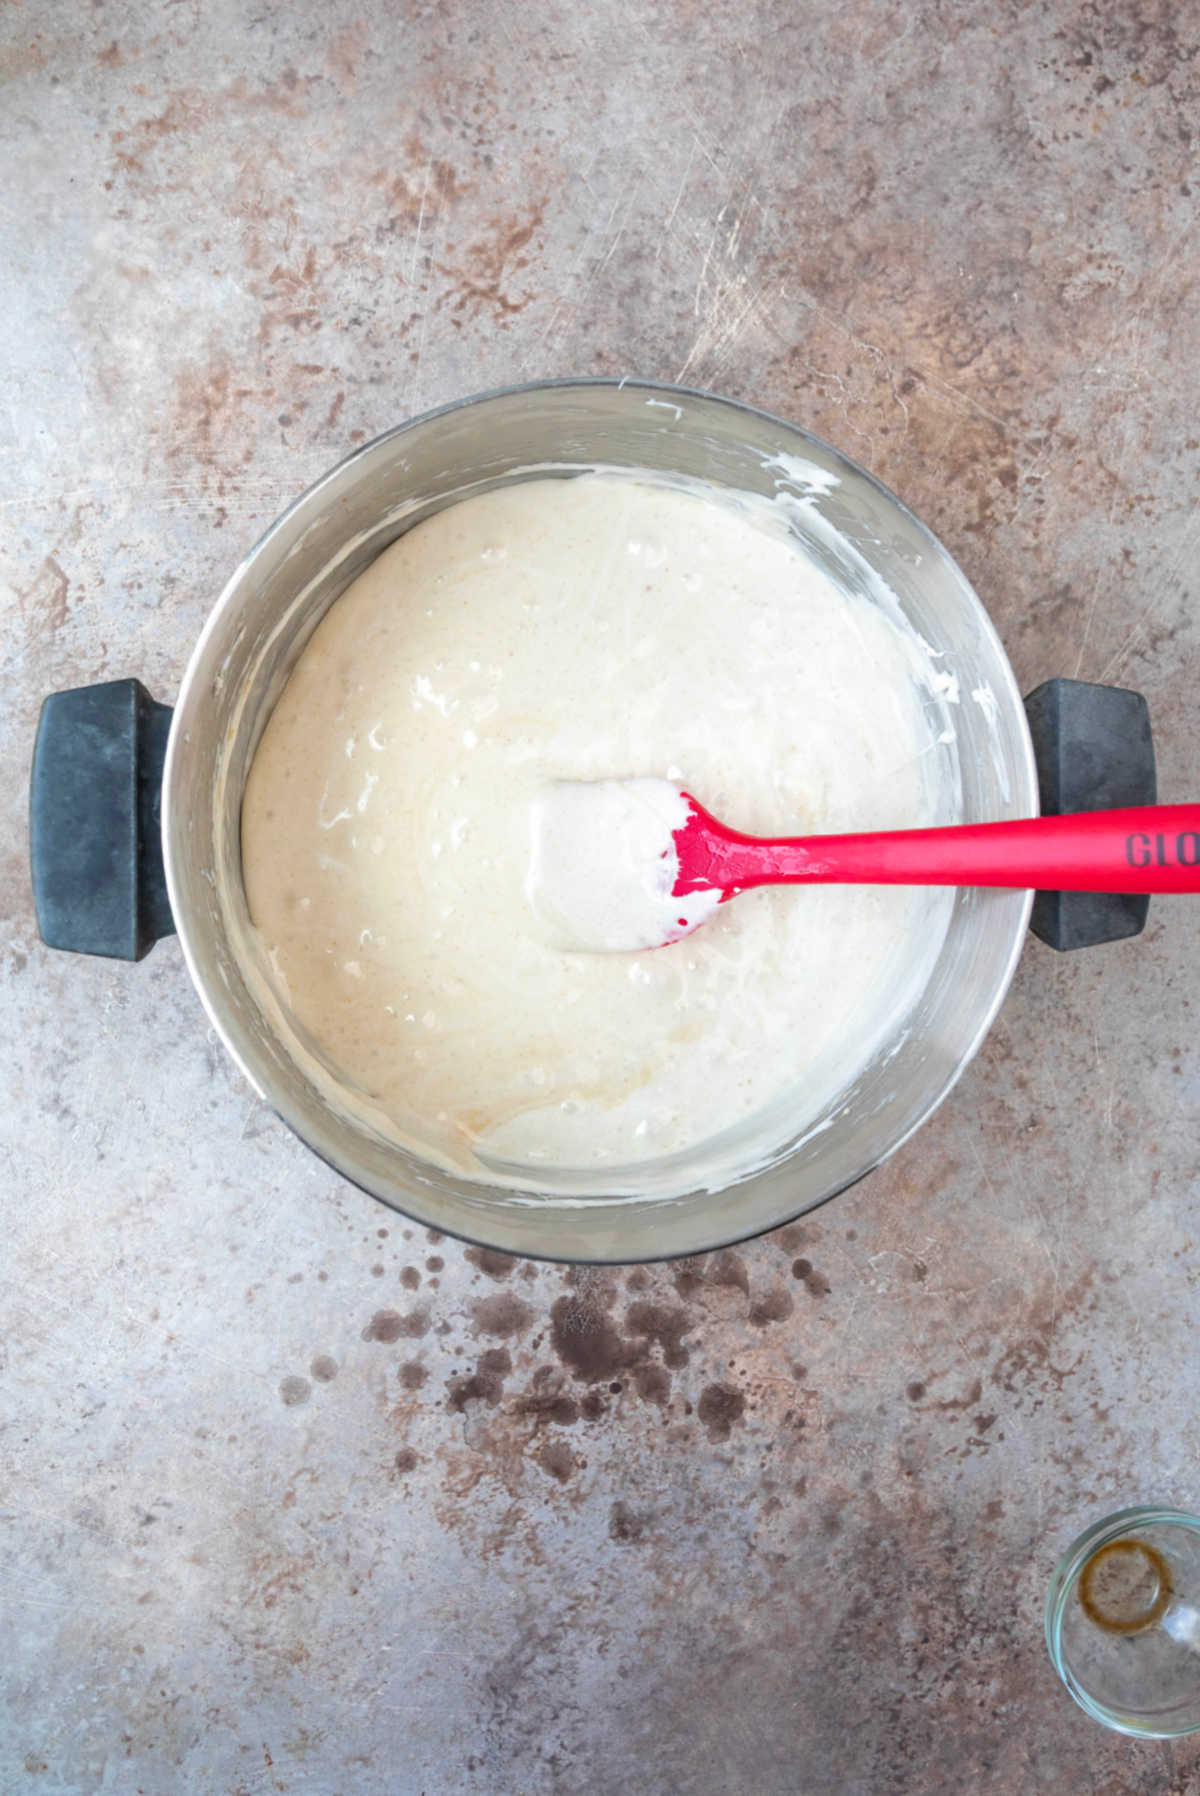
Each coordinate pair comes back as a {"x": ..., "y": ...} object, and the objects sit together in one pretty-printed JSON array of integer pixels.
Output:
[
  {"x": 406, "y": 1460},
  {"x": 294, "y": 1390},
  {"x": 413, "y": 1374},
  {"x": 410, "y": 1278},
  {"x": 504, "y": 1315},
  {"x": 774, "y": 1306},
  {"x": 626, "y": 1524},
  {"x": 385, "y": 1325},
  {"x": 720, "y": 1406},
  {"x": 914, "y": 1391},
  {"x": 547, "y": 1406},
  {"x": 688, "y": 1276},
  {"x": 490, "y": 1263},
  {"x": 585, "y": 1340},
  {"x": 485, "y": 1384},
  {"x": 833, "y": 1517},
  {"x": 389, "y": 1325},
  {"x": 557, "y": 1460},
  {"x": 730, "y": 1269},
  {"x": 595, "y": 1280},
  {"x": 792, "y": 1238},
  {"x": 665, "y": 1323},
  {"x": 324, "y": 1369},
  {"x": 653, "y": 1384},
  {"x": 815, "y": 1283}
]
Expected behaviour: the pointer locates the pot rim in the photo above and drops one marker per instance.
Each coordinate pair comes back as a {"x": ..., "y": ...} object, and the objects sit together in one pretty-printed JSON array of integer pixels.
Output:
[{"x": 413, "y": 1204}]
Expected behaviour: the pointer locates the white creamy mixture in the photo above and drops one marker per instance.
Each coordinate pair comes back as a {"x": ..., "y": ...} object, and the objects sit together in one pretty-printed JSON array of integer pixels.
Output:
[
  {"x": 603, "y": 865},
  {"x": 587, "y": 629}
]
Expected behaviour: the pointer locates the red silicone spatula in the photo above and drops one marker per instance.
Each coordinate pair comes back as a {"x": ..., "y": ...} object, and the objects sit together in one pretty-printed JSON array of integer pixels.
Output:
[
  {"x": 1151, "y": 848},
  {"x": 671, "y": 862}
]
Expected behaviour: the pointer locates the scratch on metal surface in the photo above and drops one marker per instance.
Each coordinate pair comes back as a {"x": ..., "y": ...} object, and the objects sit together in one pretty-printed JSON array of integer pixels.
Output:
[
  {"x": 1106, "y": 1076},
  {"x": 703, "y": 275},
  {"x": 721, "y": 331},
  {"x": 1187, "y": 540},
  {"x": 416, "y": 248},
  {"x": 1131, "y": 331},
  {"x": 415, "y": 388},
  {"x": 669, "y": 220},
  {"x": 1087, "y": 627},
  {"x": 1038, "y": 1233},
  {"x": 631, "y": 188},
  {"x": 966, "y": 399},
  {"x": 566, "y": 307},
  {"x": 728, "y": 305}
]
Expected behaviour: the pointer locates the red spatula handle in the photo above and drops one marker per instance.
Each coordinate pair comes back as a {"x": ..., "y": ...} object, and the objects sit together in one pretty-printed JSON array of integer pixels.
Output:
[{"x": 1153, "y": 848}]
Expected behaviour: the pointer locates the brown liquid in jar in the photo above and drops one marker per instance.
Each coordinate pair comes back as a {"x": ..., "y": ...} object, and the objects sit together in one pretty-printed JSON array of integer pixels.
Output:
[{"x": 1125, "y": 1587}]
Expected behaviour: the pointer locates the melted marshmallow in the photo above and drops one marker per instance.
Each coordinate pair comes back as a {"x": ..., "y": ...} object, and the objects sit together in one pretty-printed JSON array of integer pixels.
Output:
[{"x": 587, "y": 629}]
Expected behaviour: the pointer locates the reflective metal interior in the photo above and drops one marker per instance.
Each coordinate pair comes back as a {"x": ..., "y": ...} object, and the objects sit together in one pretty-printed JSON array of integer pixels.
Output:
[{"x": 305, "y": 561}]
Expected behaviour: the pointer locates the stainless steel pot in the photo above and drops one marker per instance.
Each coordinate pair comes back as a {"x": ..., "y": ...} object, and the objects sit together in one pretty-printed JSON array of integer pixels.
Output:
[{"x": 248, "y": 648}]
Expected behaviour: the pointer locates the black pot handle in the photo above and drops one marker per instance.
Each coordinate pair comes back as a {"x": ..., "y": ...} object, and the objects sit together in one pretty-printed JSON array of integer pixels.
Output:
[
  {"x": 95, "y": 821},
  {"x": 1094, "y": 752}
]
